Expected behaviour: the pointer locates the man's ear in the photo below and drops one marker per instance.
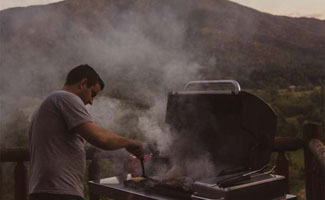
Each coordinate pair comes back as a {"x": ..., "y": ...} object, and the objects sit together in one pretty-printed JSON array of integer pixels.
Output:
[{"x": 83, "y": 83}]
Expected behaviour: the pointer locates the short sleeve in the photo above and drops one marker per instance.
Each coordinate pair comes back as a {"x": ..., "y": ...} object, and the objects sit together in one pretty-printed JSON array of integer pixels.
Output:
[{"x": 73, "y": 110}]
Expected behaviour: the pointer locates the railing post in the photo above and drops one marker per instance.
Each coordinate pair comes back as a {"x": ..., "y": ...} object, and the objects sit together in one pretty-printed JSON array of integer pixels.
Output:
[
  {"x": 311, "y": 131},
  {"x": 20, "y": 181},
  {"x": 94, "y": 170},
  {"x": 1, "y": 181},
  {"x": 282, "y": 168},
  {"x": 283, "y": 145},
  {"x": 317, "y": 184},
  {"x": 94, "y": 175}
]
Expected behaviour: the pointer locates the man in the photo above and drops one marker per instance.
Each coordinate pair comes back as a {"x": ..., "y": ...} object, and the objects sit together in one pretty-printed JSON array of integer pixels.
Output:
[{"x": 58, "y": 130}]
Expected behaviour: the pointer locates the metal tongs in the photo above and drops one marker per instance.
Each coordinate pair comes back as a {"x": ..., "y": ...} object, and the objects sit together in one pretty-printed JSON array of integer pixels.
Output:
[
  {"x": 233, "y": 180},
  {"x": 143, "y": 169}
]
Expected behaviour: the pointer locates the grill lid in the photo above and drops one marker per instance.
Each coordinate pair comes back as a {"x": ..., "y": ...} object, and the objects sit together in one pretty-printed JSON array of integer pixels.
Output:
[{"x": 236, "y": 127}]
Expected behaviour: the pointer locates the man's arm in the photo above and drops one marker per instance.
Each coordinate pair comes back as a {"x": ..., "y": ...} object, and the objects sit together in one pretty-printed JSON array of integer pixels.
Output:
[{"x": 103, "y": 139}]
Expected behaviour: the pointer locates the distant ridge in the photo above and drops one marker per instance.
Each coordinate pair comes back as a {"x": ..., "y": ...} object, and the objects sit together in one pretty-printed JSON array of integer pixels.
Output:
[{"x": 227, "y": 40}]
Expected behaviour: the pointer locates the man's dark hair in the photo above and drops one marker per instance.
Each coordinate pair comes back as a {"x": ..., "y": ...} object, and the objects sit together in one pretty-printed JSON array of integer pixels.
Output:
[{"x": 84, "y": 71}]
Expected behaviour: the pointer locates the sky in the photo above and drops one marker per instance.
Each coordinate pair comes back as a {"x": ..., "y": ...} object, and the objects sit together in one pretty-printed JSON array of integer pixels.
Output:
[
  {"x": 293, "y": 8},
  {"x": 22, "y": 3}
]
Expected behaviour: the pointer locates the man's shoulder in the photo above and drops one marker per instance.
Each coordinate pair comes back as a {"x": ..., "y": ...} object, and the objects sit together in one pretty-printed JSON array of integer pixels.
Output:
[{"x": 61, "y": 94}]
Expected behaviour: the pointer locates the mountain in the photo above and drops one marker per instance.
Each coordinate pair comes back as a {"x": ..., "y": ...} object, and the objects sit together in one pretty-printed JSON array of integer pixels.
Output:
[{"x": 156, "y": 44}]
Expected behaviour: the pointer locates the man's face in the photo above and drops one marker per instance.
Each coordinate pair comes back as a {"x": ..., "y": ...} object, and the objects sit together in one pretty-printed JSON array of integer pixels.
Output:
[{"x": 88, "y": 93}]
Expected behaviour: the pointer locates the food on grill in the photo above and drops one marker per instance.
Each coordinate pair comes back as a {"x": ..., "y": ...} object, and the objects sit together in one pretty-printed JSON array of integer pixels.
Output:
[
  {"x": 136, "y": 182},
  {"x": 180, "y": 187},
  {"x": 148, "y": 183},
  {"x": 137, "y": 179}
]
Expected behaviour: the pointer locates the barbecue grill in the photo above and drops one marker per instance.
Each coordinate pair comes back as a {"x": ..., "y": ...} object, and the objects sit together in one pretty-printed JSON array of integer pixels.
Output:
[{"x": 236, "y": 127}]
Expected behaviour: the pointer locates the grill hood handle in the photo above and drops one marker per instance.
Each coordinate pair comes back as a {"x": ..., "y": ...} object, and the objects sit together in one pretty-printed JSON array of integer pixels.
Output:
[{"x": 235, "y": 83}]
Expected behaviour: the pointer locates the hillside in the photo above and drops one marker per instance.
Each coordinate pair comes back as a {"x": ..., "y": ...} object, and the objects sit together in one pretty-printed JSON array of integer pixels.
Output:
[
  {"x": 212, "y": 39},
  {"x": 145, "y": 48}
]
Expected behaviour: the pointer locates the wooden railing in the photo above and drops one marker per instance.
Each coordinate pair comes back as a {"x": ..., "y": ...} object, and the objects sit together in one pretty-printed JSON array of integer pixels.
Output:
[
  {"x": 314, "y": 159},
  {"x": 18, "y": 155},
  {"x": 312, "y": 143},
  {"x": 314, "y": 150},
  {"x": 21, "y": 155},
  {"x": 282, "y": 145}
]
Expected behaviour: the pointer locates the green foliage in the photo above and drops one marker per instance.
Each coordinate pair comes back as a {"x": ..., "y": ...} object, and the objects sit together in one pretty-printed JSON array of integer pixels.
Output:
[
  {"x": 297, "y": 173},
  {"x": 15, "y": 132},
  {"x": 276, "y": 77},
  {"x": 296, "y": 169},
  {"x": 294, "y": 108}
]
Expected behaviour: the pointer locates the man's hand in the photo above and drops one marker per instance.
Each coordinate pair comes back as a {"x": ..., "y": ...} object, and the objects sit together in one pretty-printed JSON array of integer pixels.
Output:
[{"x": 135, "y": 148}]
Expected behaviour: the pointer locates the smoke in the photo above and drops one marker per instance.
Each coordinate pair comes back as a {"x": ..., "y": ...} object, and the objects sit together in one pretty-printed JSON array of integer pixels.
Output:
[
  {"x": 139, "y": 53},
  {"x": 196, "y": 168},
  {"x": 158, "y": 135}
]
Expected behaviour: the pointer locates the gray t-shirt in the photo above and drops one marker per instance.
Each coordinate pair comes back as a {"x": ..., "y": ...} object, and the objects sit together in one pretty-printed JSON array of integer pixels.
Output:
[{"x": 57, "y": 154}]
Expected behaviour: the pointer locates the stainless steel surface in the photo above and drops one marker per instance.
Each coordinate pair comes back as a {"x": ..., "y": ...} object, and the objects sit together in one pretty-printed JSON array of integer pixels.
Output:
[
  {"x": 258, "y": 188},
  {"x": 235, "y": 83},
  {"x": 194, "y": 197},
  {"x": 255, "y": 171},
  {"x": 119, "y": 192},
  {"x": 240, "y": 177}
]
